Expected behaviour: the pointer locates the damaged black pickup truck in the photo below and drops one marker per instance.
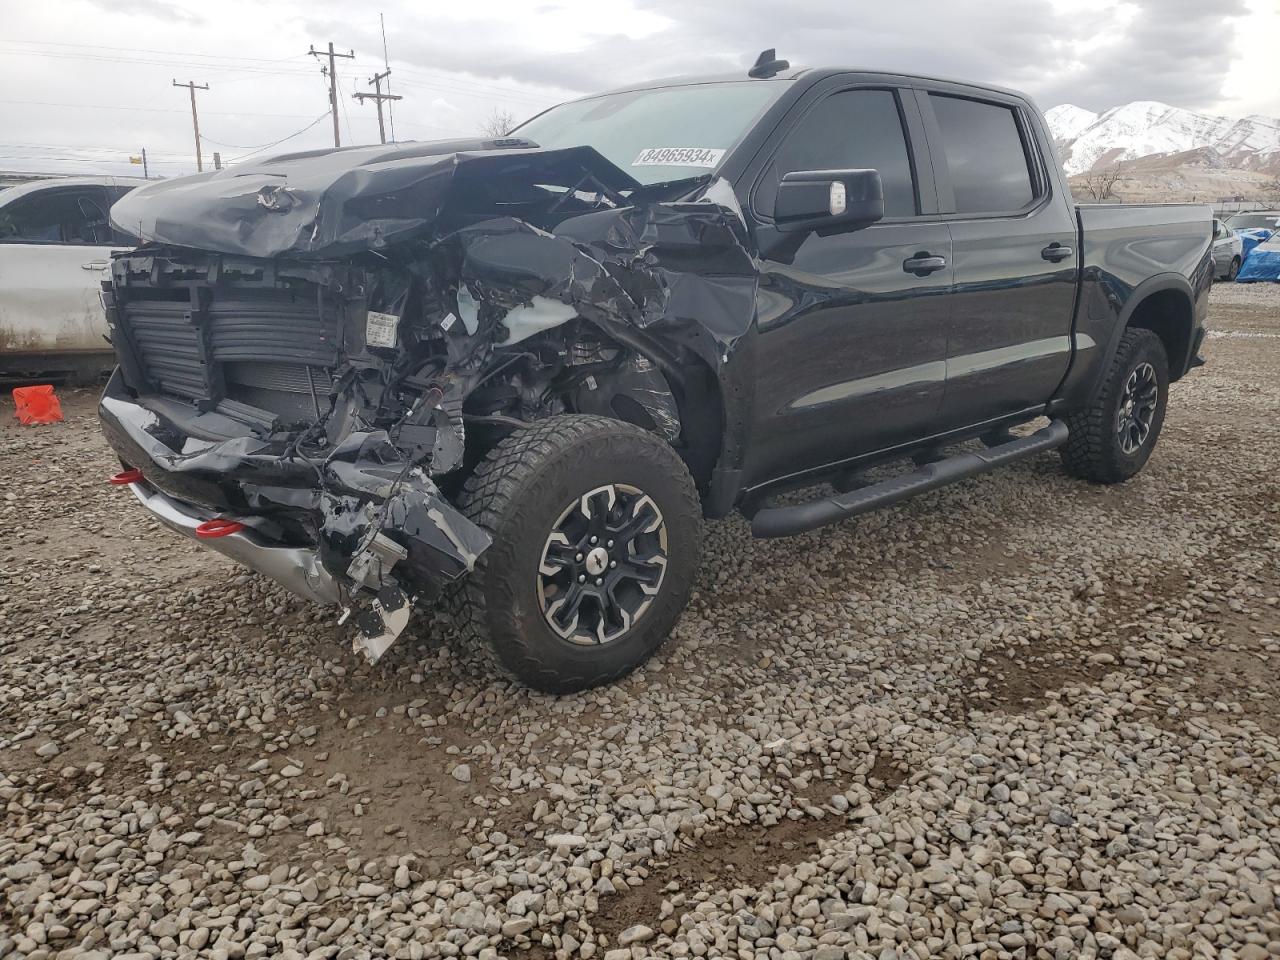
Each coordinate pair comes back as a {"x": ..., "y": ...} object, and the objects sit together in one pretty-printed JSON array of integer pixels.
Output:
[{"x": 516, "y": 374}]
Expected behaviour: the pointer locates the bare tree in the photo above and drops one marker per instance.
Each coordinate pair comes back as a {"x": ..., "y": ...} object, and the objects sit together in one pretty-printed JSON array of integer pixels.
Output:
[
  {"x": 498, "y": 124},
  {"x": 1101, "y": 184}
]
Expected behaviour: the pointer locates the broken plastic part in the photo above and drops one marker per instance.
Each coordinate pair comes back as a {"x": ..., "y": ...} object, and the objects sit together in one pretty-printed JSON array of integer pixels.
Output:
[
  {"x": 372, "y": 565},
  {"x": 380, "y": 624},
  {"x": 468, "y": 311},
  {"x": 522, "y": 322}
]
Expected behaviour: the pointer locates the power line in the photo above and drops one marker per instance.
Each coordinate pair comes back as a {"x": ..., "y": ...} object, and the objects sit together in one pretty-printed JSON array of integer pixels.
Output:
[
  {"x": 147, "y": 61},
  {"x": 186, "y": 55},
  {"x": 72, "y": 146},
  {"x": 33, "y": 156},
  {"x": 111, "y": 106},
  {"x": 267, "y": 146},
  {"x": 182, "y": 53}
]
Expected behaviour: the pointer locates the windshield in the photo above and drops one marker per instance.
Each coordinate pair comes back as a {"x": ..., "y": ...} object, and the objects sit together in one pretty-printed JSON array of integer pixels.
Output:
[
  {"x": 1254, "y": 221},
  {"x": 666, "y": 133}
]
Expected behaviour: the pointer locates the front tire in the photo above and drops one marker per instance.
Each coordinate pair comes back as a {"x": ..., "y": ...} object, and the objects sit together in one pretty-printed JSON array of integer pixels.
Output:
[
  {"x": 1112, "y": 439},
  {"x": 1234, "y": 270},
  {"x": 596, "y": 530}
]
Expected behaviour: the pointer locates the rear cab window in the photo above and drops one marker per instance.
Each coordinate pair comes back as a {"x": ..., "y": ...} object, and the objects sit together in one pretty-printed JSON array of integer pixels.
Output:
[{"x": 986, "y": 155}]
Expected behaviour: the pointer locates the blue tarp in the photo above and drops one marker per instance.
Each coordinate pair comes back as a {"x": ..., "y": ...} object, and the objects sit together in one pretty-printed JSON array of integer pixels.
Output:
[
  {"x": 1262, "y": 264},
  {"x": 1250, "y": 239}
]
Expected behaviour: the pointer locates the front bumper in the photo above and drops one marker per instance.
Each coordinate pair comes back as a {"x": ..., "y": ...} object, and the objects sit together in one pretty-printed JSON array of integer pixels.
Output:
[
  {"x": 353, "y": 525},
  {"x": 297, "y": 569}
]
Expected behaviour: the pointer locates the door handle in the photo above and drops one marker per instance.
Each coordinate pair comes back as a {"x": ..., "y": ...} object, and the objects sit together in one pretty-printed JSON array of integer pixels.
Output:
[
  {"x": 95, "y": 265},
  {"x": 923, "y": 264},
  {"x": 1055, "y": 252}
]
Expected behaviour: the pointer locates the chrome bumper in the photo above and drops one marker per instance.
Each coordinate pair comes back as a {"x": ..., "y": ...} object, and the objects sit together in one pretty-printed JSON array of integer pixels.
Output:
[{"x": 297, "y": 569}]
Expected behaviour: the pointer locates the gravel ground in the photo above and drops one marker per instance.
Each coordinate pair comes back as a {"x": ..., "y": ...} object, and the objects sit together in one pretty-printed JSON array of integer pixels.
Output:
[{"x": 1019, "y": 717}]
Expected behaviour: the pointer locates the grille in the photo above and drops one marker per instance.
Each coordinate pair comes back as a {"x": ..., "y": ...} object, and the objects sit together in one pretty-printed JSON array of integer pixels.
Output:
[{"x": 265, "y": 348}]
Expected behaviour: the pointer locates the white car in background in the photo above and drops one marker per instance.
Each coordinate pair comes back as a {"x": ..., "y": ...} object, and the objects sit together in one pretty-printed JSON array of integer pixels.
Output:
[
  {"x": 1227, "y": 255},
  {"x": 55, "y": 242}
]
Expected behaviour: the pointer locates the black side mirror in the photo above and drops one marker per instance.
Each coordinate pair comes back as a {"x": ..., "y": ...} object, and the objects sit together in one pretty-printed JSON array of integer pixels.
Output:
[{"x": 828, "y": 201}]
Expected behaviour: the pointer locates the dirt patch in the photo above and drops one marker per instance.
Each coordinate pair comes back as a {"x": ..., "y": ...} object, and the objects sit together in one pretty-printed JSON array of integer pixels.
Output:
[
  {"x": 745, "y": 856},
  {"x": 1233, "y": 674}
]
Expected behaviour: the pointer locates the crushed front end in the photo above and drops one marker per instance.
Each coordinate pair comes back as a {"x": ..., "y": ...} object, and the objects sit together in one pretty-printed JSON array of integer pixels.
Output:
[
  {"x": 247, "y": 393},
  {"x": 314, "y": 353}
]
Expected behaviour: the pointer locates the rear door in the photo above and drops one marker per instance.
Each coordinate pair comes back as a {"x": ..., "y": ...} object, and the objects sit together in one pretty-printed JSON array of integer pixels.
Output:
[
  {"x": 850, "y": 352},
  {"x": 1013, "y": 249},
  {"x": 54, "y": 246}
]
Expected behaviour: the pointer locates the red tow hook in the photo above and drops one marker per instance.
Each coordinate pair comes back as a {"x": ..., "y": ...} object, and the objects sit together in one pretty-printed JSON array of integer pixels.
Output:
[
  {"x": 126, "y": 477},
  {"x": 218, "y": 527}
]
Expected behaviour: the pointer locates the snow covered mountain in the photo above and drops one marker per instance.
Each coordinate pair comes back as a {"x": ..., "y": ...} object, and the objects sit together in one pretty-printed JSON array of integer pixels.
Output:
[{"x": 1146, "y": 128}]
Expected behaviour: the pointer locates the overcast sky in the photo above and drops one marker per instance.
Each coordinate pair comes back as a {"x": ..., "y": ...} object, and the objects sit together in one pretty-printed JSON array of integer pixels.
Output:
[{"x": 86, "y": 83}]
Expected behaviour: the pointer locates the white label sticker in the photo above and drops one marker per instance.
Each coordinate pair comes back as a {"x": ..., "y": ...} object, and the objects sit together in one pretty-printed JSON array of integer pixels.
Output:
[
  {"x": 380, "y": 329},
  {"x": 678, "y": 157},
  {"x": 447, "y": 323}
]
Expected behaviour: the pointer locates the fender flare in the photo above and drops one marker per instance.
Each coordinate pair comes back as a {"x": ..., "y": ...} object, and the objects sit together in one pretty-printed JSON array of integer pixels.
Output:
[{"x": 1139, "y": 295}]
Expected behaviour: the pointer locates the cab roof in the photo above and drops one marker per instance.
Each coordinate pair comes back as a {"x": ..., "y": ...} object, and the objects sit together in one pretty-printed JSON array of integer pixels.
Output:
[{"x": 811, "y": 74}]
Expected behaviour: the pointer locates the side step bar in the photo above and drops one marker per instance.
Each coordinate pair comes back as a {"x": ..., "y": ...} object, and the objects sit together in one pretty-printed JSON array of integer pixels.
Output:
[{"x": 801, "y": 517}]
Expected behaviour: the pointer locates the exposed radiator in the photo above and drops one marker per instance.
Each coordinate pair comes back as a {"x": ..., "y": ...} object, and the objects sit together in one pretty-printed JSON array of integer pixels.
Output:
[{"x": 266, "y": 348}]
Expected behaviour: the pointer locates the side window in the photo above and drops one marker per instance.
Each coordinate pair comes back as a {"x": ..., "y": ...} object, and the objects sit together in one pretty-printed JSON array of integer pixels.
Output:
[
  {"x": 855, "y": 129},
  {"x": 985, "y": 154},
  {"x": 72, "y": 216},
  {"x": 119, "y": 237}
]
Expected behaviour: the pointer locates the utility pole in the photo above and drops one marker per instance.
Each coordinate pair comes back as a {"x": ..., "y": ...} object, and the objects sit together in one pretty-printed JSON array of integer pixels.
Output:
[
  {"x": 333, "y": 83},
  {"x": 145, "y": 174},
  {"x": 195, "y": 120},
  {"x": 377, "y": 97}
]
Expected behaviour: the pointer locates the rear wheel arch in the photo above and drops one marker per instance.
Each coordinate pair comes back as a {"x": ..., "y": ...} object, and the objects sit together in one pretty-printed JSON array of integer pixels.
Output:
[{"x": 1168, "y": 312}]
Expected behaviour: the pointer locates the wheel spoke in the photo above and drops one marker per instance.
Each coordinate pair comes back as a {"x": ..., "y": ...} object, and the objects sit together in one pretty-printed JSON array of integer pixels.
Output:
[
  {"x": 563, "y": 612},
  {"x": 559, "y": 555}
]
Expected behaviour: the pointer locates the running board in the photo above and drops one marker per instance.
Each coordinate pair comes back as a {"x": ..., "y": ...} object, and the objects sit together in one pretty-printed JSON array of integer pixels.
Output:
[{"x": 786, "y": 521}]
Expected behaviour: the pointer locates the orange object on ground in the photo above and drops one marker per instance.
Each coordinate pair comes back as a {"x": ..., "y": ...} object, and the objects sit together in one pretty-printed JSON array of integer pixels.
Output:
[{"x": 37, "y": 404}]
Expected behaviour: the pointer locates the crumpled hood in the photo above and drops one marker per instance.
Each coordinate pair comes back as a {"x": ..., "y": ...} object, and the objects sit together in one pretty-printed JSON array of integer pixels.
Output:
[{"x": 328, "y": 203}]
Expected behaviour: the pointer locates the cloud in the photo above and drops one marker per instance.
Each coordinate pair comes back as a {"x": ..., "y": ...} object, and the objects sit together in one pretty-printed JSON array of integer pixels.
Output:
[
  {"x": 76, "y": 79},
  {"x": 156, "y": 9},
  {"x": 1094, "y": 54}
]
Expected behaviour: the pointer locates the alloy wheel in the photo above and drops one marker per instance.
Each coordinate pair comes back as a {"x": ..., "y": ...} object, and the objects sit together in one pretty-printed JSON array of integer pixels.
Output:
[
  {"x": 602, "y": 564},
  {"x": 1137, "y": 408}
]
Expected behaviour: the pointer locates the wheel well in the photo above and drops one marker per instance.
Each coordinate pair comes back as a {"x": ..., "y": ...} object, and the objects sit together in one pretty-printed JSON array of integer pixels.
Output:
[
  {"x": 1168, "y": 314},
  {"x": 702, "y": 420}
]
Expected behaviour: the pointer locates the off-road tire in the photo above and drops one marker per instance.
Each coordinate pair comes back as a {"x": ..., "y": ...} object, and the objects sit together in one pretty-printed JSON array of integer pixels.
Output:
[
  {"x": 1093, "y": 450},
  {"x": 516, "y": 493}
]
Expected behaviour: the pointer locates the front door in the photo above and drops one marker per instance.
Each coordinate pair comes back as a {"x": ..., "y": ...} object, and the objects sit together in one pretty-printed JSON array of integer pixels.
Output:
[
  {"x": 55, "y": 247},
  {"x": 852, "y": 328}
]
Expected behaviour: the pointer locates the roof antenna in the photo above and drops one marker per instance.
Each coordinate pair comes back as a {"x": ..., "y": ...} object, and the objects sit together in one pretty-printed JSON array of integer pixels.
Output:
[{"x": 767, "y": 65}]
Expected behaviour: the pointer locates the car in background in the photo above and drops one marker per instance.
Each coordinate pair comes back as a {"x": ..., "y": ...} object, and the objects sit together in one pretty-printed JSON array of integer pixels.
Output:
[
  {"x": 1257, "y": 220},
  {"x": 55, "y": 243},
  {"x": 1227, "y": 252}
]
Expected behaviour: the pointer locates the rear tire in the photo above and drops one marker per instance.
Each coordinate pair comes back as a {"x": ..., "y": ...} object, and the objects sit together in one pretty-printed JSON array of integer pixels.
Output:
[
  {"x": 1112, "y": 439},
  {"x": 560, "y": 611}
]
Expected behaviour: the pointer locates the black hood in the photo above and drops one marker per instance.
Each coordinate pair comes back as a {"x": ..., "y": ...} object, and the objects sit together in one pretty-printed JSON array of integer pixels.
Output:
[{"x": 326, "y": 203}]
